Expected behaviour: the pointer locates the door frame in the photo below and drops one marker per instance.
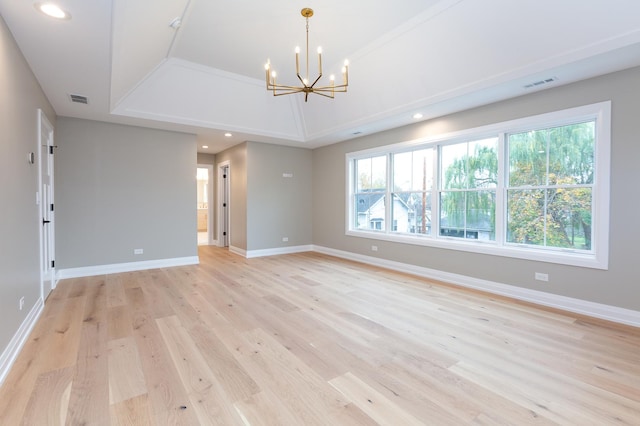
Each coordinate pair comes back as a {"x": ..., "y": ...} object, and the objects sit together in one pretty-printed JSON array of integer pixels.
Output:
[
  {"x": 210, "y": 201},
  {"x": 221, "y": 225},
  {"x": 45, "y": 146}
]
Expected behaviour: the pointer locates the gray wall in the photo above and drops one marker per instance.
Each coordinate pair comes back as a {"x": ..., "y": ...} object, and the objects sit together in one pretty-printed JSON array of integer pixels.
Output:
[
  {"x": 20, "y": 98},
  {"x": 617, "y": 286},
  {"x": 278, "y": 207},
  {"x": 237, "y": 157},
  {"x": 119, "y": 188}
]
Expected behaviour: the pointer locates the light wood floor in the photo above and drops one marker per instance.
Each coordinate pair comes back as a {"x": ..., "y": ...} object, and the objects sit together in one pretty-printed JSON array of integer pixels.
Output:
[{"x": 308, "y": 339}]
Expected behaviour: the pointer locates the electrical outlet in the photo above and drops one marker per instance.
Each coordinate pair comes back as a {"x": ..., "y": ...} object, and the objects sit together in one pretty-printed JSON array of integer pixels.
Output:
[
  {"x": 21, "y": 303},
  {"x": 541, "y": 277},
  {"x": 374, "y": 248},
  {"x": 138, "y": 251},
  {"x": 285, "y": 239}
]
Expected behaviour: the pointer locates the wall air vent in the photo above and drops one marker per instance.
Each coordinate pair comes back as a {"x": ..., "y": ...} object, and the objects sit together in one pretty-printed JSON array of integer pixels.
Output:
[
  {"x": 540, "y": 82},
  {"x": 79, "y": 99}
]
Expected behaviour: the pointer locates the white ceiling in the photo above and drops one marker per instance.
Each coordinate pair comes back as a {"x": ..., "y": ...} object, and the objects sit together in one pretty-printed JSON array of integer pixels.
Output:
[{"x": 406, "y": 56}]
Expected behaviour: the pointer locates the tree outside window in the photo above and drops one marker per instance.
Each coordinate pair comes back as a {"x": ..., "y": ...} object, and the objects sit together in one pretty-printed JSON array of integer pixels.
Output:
[{"x": 550, "y": 189}]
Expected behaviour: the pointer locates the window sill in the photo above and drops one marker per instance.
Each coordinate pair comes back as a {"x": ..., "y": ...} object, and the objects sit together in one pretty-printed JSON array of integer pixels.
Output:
[{"x": 560, "y": 256}]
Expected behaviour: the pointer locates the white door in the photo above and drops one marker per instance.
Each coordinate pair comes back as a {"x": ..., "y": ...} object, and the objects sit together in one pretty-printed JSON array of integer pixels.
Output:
[
  {"x": 47, "y": 234},
  {"x": 223, "y": 203}
]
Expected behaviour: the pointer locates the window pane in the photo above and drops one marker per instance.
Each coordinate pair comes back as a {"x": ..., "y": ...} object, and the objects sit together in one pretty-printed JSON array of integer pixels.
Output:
[
  {"x": 569, "y": 211},
  {"x": 480, "y": 219},
  {"x": 379, "y": 173},
  {"x": 454, "y": 166},
  {"x": 363, "y": 174},
  {"x": 470, "y": 164},
  {"x": 411, "y": 212},
  {"x": 482, "y": 163},
  {"x": 552, "y": 217},
  {"x": 371, "y": 173},
  {"x": 413, "y": 171},
  {"x": 528, "y": 158},
  {"x": 525, "y": 216},
  {"x": 468, "y": 214},
  {"x": 571, "y": 153},
  {"x": 452, "y": 213},
  {"x": 402, "y": 176},
  {"x": 369, "y": 210}
]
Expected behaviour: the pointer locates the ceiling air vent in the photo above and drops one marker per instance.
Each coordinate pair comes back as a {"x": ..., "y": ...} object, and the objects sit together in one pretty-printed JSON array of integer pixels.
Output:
[
  {"x": 79, "y": 99},
  {"x": 540, "y": 82}
]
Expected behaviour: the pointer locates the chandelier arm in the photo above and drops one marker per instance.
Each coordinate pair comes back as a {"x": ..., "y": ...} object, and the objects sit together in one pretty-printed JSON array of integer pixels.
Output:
[
  {"x": 322, "y": 94},
  {"x": 287, "y": 93},
  {"x": 330, "y": 89},
  {"x": 314, "y": 83},
  {"x": 285, "y": 87},
  {"x": 301, "y": 80}
]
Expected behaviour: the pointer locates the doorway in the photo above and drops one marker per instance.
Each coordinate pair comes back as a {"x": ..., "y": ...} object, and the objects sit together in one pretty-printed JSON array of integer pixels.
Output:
[
  {"x": 224, "y": 203},
  {"x": 204, "y": 176},
  {"x": 46, "y": 208}
]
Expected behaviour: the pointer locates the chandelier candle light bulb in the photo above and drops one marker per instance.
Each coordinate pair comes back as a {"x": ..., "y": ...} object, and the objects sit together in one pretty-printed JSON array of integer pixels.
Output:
[{"x": 306, "y": 88}]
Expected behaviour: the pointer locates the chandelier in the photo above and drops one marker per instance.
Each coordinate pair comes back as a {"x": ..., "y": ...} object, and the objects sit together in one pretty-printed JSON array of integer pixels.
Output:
[{"x": 307, "y": 87}]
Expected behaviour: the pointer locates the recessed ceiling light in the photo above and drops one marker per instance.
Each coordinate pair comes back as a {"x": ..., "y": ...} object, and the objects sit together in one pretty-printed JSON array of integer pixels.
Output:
[
  {"x": 175, "y": 23},
  {"x": 417, "y": 116},
  {"x": 228, "y": 134},
  {"x": 52, "y": 10},
  {"x": 205, "y": 146}
]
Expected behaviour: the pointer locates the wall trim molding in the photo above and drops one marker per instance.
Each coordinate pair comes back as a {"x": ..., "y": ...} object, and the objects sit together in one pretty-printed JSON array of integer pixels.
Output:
[
  {"x": 278, "y": 250},
  {"x": 88, "y": 271},
  {"x": 8, "y": 357},
  {"x": 238, "y": 251},
  {"x": 578, "y": 306}
]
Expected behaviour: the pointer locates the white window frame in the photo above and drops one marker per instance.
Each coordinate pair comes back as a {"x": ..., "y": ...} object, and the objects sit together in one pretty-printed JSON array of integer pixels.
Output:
[{"x": 597, "y": 257}]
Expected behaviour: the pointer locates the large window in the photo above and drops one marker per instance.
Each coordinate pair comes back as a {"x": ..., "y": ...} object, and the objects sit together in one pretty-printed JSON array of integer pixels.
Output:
[{"x": 534, "y": 188}]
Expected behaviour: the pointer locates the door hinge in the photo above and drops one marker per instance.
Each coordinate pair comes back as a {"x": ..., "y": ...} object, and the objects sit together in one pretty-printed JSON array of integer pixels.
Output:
[
  {"x": 224, "y": 204},
  {"x": 50, "y": 149},
  {"x": 224, "y": 176},
  {"x": 52, "y": 207},
  {"x": 53, "y": 263},
  {"x": 224, "y": 233}
]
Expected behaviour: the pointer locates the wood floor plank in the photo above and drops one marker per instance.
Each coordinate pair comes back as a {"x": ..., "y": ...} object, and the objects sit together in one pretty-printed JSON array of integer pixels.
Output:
[
  {"x": 205, "y": 393},
  {"x": 236, "y": 383},
  {"x": 376, "y": 405},
  {"x": 126, "y": 377},
  {"x": 115, "y": 291},
  {"x": 167, "y": 395},
  {"x": 132, "y": 412},
  {"x": 50, "y": 398},
  {"x": 309, "y": 339},
  {"x": 119, "y": 322},
  {"x": 89, "y": 399}
]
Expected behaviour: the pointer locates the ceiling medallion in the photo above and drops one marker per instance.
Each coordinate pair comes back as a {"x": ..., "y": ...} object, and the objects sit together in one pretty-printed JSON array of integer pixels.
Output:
[{"x": 307, "y": 87}]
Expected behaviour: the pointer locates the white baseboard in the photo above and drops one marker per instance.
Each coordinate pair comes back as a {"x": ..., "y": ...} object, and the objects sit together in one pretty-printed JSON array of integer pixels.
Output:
[
  {"x": 270, "y": 252},
  {"x": 88, "y": 271},
  {"x": 584, "y": 307},
  {"x": 12, "y": 350},
  {"x": 238, "y": 251},
  {"x": 277, "y": 250}
]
